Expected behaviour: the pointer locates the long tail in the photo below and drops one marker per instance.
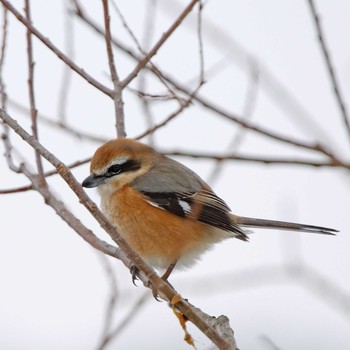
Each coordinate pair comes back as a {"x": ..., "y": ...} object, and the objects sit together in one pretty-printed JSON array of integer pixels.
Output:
[{"x": 282, "y": 225}]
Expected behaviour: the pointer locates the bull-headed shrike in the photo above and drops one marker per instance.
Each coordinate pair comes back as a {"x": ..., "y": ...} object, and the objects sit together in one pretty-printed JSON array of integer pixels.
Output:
[{"x": 164, "y": 210}]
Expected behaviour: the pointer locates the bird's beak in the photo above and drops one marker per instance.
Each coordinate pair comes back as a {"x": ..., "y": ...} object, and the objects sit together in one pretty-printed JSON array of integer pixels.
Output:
[{"x": 93, "y": 181}]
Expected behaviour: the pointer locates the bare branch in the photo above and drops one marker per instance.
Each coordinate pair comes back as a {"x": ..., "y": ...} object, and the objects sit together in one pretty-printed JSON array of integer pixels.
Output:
[
  {"x": 148, "y": 33},
  {"x": 321, "y": 286},
  {"x": 56, "y": 51},
  {"x": 200, "y": 44},
  {"x": 2, "y": 58},
  {"x": 148, "y": 28},
  {"x": 127, "y": 319},
  {"x": 110, "y": 307},
  {"x": 173, "y": 115},
  {"x": 263, "y": 160},
  {"x": 17, "y": 190},
  {"x": 46, "y": 174},
  {"x": 67, "y": 72},
  {"x": 118, "y": 88},
  {"x": 264, "y": 131},
  {"x": 70, "y": 130},
  {"x": 270, "y": 345},
  {"x": 71, "y": 220},
  {"x": 238, "y": 138},
  {"x": 142, "y": 63},
  {"x": 8, "y": 150},
  {"x": 152, "y": 97},
  {"x": 330, "y": 67},
  {"x": 165, "y": 122},
  {"x": 33, "y": 110},
  {"x": 133, "y": 37}
]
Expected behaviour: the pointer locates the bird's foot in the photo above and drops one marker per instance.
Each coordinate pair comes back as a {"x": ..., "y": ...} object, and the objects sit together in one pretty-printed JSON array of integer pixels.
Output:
[{"x": 134, "y": 270}]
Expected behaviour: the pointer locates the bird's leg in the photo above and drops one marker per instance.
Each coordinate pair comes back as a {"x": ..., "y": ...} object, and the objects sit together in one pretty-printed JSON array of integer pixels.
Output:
[
  {"x": 165, "y": 279},
  {"x": 168, "y": 271}
]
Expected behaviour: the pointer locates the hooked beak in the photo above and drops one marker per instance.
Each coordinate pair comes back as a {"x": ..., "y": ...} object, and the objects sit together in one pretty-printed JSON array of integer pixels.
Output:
[{"x": 93, "y": 181}]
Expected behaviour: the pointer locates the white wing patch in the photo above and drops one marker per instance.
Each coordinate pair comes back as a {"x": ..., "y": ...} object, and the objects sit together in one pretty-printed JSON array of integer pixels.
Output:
[{"x": 185, "y": 206}]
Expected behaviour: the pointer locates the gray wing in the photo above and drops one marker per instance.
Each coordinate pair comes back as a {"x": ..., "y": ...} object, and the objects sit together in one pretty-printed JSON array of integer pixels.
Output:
[
  {"x": 171, "y": 186},
  {"x": 169, "y": 175}
]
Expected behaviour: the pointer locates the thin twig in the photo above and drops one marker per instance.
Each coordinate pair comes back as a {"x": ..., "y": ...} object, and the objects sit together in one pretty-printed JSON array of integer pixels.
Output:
[
  {"x": 321, "y": 286},
  {"x": 173, "y": 115},
  {"x": 330, "y": 66},
  {"x": 263, "y": 160},
  {"x": 2, "y": 58},
  {"x": 56, "y": 51},
  {"x": 70, "y": 130},
  {"x": 17, "y": 190},
  {"x": 151, "y": 130},
  {"x": 151, "y": 96},
  {"x": 50, "y": 198},
  {"x": 270, "y": 345},
  {"x": 211, "y": 72},
  {"x": 127, "y": 319},
  {"x": 5, "y": 136},
  {"x": 264, "y": 131},
  {"x": 184, "y": 104},
  {"x": 46, "y": 174},
  {"x": 142, "y": 50},
  {"x": 200, "y": 44},
  {"x": 72, "y": 221},
  {"x": 148, "y": 32},
  {"x": 142, "y": 63},
  {"x": 118, "y": 87},
  {"x": 33, "y": 109},
  {"x": 113, "y": 293},
  {"x": 238, "y": 138},
  {"x": 63, "y": 94}
]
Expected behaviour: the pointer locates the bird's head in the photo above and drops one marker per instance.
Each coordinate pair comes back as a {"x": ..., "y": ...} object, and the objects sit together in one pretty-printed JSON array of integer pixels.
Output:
[{"x": 117, "y": 163}]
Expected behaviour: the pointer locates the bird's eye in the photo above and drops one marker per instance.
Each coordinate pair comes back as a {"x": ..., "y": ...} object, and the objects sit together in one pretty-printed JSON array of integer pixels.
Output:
[{"x": 114, "y": 169}]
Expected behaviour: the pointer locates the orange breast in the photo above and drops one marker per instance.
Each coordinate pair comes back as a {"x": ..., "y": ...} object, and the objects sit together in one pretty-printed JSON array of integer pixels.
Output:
[{"x": 157, "y": 235}]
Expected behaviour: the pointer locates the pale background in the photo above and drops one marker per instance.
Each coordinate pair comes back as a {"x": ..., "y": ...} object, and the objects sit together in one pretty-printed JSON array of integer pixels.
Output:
[{"x": 54, "y": 290}]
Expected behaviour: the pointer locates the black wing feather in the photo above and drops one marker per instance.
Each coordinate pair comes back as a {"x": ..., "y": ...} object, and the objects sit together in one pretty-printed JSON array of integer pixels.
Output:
[{"x": 203, "y": 206}]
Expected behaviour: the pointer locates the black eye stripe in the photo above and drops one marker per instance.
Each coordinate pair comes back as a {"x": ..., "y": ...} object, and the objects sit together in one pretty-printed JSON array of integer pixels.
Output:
[{"x": 129, "y": 165}]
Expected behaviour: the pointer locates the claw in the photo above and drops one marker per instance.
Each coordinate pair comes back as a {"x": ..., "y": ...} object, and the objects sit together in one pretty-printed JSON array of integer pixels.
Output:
[
  {"x": 154, "y": 292},
  {"x": 134, "y": 270},
  {"x": 155, "y": 295}
]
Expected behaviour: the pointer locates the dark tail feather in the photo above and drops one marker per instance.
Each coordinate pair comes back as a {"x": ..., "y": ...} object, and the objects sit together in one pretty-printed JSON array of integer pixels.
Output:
[{"x": 272, "y": 224}]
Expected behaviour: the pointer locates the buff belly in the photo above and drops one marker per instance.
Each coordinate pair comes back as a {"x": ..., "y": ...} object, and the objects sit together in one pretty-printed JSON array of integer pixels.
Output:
[{"x": 158, "y": 236}]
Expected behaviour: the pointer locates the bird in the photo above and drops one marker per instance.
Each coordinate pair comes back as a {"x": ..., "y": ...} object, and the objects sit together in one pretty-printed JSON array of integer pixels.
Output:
[{"x": 167, "y": 214}]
